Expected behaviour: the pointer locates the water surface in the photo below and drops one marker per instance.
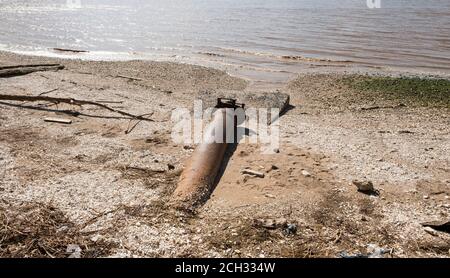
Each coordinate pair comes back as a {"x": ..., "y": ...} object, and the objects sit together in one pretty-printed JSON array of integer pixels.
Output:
[{"x": 274, "y": 36}]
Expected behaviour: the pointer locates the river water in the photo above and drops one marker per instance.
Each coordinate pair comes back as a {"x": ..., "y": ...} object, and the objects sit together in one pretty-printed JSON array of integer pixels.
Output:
[{"x": 267, "y": 36}]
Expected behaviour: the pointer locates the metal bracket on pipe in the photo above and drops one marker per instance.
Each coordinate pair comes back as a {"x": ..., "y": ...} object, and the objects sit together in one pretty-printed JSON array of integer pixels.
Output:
[{"x": 229, "y": 103}]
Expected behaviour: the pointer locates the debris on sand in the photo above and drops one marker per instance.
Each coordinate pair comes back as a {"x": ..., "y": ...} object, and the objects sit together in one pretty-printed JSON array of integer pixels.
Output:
[
  {"x": 72, "y": 101},
  {"x": 271, "y": 223},
  {"x": 270, "y": 196},
  {"x": 11, "y": 71},
  {"x": 430, "y": 231},
  {"x": 291, "y": 229},
  {"x": 58, "y": 120},
  {"x": 253, "y": 173},
  {"x": 74, "y": 251},
  {"x": 306, "y": 173},
  {"x": 365, "y": 187},
  {"x": 69, "y": 50},
  {"x": 34, "y": 230},
  {"x": 373, "y": 251},
  {"x": 272, "y": 168},
  {"x": 442, "y": 226}
]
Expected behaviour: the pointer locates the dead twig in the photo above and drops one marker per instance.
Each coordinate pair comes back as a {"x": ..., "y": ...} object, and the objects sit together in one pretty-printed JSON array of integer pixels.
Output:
[
  {"x": 130, "y": 129},
  {"x": 95, "y": 218},
  {"x": 129, "y": 77},
  {"x": 70, "y": 101},
  {"x": 10, "y": 71},
  {"x": 48, "y": 92},
  {"x": 70, "y": 50},
  {"x": 29, "y": 66}
]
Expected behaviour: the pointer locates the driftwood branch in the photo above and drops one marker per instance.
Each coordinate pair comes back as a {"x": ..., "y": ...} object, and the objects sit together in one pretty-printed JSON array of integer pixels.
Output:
[
  {"x": 129, "y": 77},
  {"x": 70, "y": 101},
  {"x": 10, "y": 71},
  {"x": 70, "y": 50}
]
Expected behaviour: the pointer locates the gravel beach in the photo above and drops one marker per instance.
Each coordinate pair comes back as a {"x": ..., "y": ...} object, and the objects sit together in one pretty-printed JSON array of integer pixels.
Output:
[{"x": 91, "y": 184}]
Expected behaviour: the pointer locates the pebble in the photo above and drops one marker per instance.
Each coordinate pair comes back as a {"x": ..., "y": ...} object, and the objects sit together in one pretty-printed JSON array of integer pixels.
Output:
[
  {"x": 74, "y": 250},
  {"x": 306, "y": 173},
  {"x": 269, "y": 196},
  {"x": 365, "y": 186}
]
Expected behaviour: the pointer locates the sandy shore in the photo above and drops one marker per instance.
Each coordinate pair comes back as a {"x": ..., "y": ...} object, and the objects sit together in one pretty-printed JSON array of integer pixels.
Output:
[{"x": 90, "y": 184}]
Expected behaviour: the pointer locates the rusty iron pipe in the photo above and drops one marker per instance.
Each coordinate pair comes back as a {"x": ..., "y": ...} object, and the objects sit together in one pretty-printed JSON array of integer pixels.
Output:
[{"x": 198, "y": 178}]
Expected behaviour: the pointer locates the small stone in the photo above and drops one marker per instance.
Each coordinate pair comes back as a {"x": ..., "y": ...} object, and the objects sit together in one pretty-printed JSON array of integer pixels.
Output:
[
  {"x": 271, "y": 223},
  {"x": 364, "y": 186},
  {"x": 95, "y": 238},
  {"x": 74, "y": 250},
  {"x": 269, "y": 196},
  {"x": 291, "y": 229},
  {"x": 306, "y": 173},
  {"x": 272, "y": 168},
  {"x": 62, "y": 229},
  {"x": 426, "y": 197}
]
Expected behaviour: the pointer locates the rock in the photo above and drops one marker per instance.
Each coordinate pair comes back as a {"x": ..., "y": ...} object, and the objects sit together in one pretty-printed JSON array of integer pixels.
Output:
[
  {"x": 74, "y": 250},
  {"x": 62, "y": 229},
  {"x": 272, "y": 168},
  {"x": 364, "y": 186},
  {"x": 254, "y": 173},
  {"x": 426, "y": 197},
  {"x": 271, "y": 223},
  {"x": 306, "y": 173},
  {"x": 291, "y": 229},
  {"x": 375, "y": 251},
  {"x": 95, "y": 238},
  {"x": 270, "y": 196}
]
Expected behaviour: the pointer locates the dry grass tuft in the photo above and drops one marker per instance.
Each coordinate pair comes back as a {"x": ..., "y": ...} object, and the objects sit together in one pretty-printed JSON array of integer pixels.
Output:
[{"x": 35, "y": 230}]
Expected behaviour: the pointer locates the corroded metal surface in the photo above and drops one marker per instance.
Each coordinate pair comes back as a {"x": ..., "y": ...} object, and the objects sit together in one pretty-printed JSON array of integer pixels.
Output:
[{"x": 199, "y": 175}]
